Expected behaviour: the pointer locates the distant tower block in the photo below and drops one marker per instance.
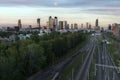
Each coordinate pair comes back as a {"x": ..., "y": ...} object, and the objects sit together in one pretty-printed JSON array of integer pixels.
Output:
[
  {"x": 71, "y": 26},
  {"x": 38, "y": 23},
  {"x": 55, "y": 21},
  {"x": 87, "y": 25},
  {"x": 97, "y": 27},
  {"x": 82, "y": 26},
  {"x": 61, "y": 25},
  {"x": 75, "y": 26},
  {"x": 19, "y": 23},
  {"x": 96, "y": 23},
  {"x": 56, "y": 27},
  {"x": 64, "y": 24},
  {"x": 51, "y": 22}
]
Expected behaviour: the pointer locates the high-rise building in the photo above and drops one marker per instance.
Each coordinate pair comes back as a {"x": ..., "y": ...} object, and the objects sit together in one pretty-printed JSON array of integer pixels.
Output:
[
  {"x": 75, "y": 26},
  {"x": 61, "y": 26},
  {"x": 38, "y": 23},
  {"x": 71, "y": 26},
  {"x": 64, "y": 24},
  {"x": 87, "y": 25},
  {"x": 97, "y": 27},
  {"x": 116, "y": 29},
  {"x": 51, "y": 22},
  {"x": 90, "y": 26},
  {"x": 96, "y": 23},
  {"x": 67, "y": 27},
  {"x": 82, "y": 26},
  {"x": 109, "y": 27},
  {"x": 56, "y": 23},
  {"x": 19, "y": 23}
]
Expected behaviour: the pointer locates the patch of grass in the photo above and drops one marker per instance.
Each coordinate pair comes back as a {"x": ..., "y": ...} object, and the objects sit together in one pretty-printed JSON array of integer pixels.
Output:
[
  {"x": 114, "y": 49},
  {"x": 92, "y": 67}
]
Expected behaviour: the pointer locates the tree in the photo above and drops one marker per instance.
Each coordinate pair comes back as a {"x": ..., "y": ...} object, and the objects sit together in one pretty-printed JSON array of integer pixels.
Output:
[
  {"x": 48, "y": 51},
  {"x": 34, "y": 58}
]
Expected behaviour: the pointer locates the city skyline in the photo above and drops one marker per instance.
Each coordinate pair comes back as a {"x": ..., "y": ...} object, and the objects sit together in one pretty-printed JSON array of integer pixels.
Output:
[{"x": 77, "y": 11}]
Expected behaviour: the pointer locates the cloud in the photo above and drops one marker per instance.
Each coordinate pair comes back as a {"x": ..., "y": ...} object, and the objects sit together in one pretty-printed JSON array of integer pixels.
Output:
[
  {"x": 66, "y": 9},
  {"x": 104, "y": 11},
  {"x": 61, "y": 3}
]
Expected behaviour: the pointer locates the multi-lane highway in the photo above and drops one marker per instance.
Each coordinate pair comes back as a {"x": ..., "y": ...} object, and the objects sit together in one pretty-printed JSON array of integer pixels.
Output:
[
  {"x": 83, "y": 72},
  {"x": 54, "y": 72},
  {"x": 104, "y": 66}
]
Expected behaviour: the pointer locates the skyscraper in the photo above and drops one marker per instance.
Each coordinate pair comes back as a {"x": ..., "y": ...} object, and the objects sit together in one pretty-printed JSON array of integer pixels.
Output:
[
  {"x": 61, "y": 25},
  {"x": 64, "y": 24},
  {"x": 96, "y": 23},
  {"x": 71, "y": 26},
  {"x": 51, "y": 22},
  {"x": 67, "y": 26},
  {"x": 19, "y": 23},
  {"x": 97, "y": 27},
  {"x": 56, "y": 23},
  {"x": 109, "y": 27},
  {"x": 87, "y": 25},
  {"x": 82, "y": 26},
  {"x": 90, "y": 26},
  {"x": 75, "y": 26},
  {"x": 38, "y": 23}
]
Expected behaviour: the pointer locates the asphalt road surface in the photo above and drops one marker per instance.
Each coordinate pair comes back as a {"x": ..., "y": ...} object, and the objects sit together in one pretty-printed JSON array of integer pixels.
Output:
[
  {"x": 55, "y": 71},
  {"x": 83, "y": 72},
  {"x": 105, "y": 70}
]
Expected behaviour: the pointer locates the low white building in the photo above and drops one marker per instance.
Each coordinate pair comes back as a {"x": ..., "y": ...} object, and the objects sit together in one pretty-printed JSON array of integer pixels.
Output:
[{"x": 24, "y": 37}]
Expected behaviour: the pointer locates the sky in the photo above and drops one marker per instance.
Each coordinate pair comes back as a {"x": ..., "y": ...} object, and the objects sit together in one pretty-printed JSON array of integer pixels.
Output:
[{"x": 74, "y": 11}]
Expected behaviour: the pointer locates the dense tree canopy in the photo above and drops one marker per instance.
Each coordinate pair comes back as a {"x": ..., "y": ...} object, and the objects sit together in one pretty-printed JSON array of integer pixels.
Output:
[{"x": 24, "y": 57}]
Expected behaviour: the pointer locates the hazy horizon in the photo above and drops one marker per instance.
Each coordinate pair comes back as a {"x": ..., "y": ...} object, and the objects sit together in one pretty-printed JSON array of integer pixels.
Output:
[{"x": 74, "y": 11}]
